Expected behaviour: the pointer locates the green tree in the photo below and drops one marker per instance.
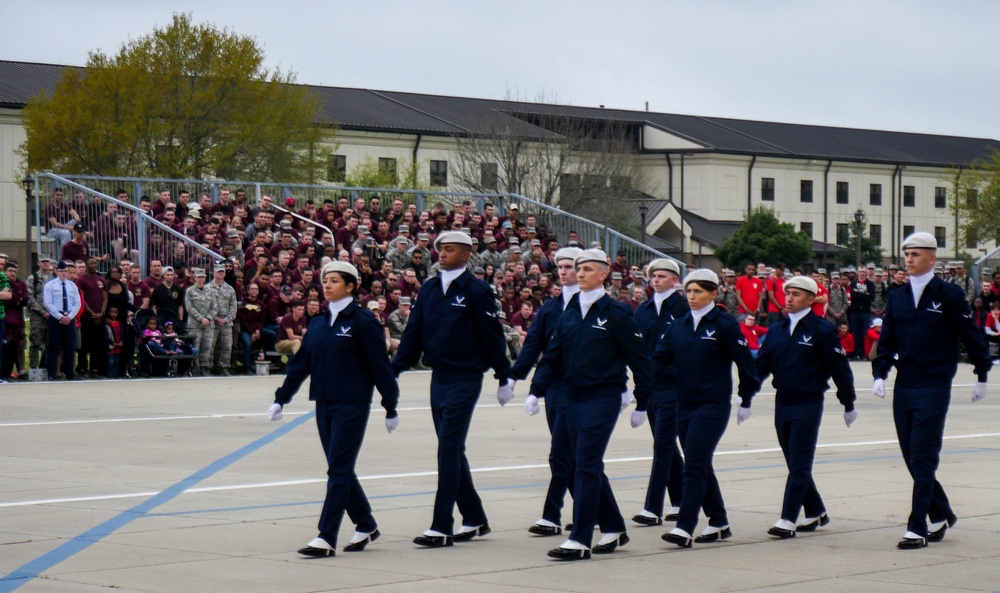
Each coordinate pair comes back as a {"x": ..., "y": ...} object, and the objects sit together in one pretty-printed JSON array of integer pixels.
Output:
[
  {"x": 186, "y": 101},
  {"x": 764, "y": 238},
  {"x": 870, "y": 250},
  {"x": 974, "y": 200}
]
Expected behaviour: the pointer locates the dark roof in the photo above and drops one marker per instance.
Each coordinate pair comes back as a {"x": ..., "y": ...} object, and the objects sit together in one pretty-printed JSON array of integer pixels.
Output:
[
  {"x": 714, "y": 232},
  {"x": 415, "y": 113}
]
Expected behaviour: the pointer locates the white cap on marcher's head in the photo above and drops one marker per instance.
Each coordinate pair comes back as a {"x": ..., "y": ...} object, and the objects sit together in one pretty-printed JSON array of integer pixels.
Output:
[
  {"x": 920, "y": 241},
  {"x": 567, "y": 253},
  {"x": 877, "y": 322},
  {"x": 704, "y": 275},
  {"x": 339, "y": 266},
  {"x": 456, "y": 237},
  {"x": 591, "y": 255},
  {"x": 663, "y": 263},
  {"x": 802, "y": 283}
]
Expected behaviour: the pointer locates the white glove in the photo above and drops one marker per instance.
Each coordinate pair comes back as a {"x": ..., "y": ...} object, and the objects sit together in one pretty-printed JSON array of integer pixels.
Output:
[
  {"x": 627, "y": 400},
  {"x": 274, "y": 413},
  {"x": 638, "y": 418},
  {"x": 850, "y": 417},
  {"x": 978, "y": 391},
  {"x": 506, "y": 392},
  {"x": 742, "y": 415},
  {"x": 531, "y": 405},
  {"x": 879, "y": 388},
  {"x": 391, "y": 424}
]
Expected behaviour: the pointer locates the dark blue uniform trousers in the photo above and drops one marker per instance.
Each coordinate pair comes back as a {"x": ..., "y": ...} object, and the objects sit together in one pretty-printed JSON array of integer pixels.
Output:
[
  {"x": 561, "y": 464},
  {"x": 797, "y": 426},
  {"x": 920, "y": 415},
  {"x": 452, "y": 405},
  {"x": 591, "y": 423},
  {"x": 667, "y": 472},
  {"x": 341, "y": 431},
  {"x": 700, "y": 427},
  {"x": 61, "y": 337}
]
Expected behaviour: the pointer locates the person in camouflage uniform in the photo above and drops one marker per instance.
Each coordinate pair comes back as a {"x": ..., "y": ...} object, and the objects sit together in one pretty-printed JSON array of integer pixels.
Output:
[
  {"x": 397, "y": 323},
  {"x": 727, "y": 294},
  {"x": 37, "y": 315},
  {"x": 222, "y": 324},
  {"x": 837, "y": 310},
  {"x": 881, "y": 290},
  {"x": 199, "y": 302},
  {"x": 399, "y": 255},
  {"x": 492, "y": 257}
]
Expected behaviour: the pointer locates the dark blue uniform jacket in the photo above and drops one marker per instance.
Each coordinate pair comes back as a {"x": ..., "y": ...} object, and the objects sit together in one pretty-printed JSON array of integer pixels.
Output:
[
  {"x": 926, "y": 337},
  {"x": 459, "y": 333},
  {"x": 702, "y": 360},
  {"x": 537, "y": 339},
  {"x": 803, "y": 363},
  {"x": 346, "y": 361},
  {"x": 654, "y": 326},
  {"x": 589, "y": 355}
]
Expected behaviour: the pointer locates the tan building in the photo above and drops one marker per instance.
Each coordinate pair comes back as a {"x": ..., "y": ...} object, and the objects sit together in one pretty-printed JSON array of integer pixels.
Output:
[{"x": 700, "y": 175}]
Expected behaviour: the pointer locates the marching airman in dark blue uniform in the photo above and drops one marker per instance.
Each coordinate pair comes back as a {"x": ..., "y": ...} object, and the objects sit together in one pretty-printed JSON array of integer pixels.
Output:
[
  {"x": 702, "y": 347},
  {"x": 455, "y": 324},
  {"x": 920, "y": 333},
  {"x": 803, "y": 352},
  {"x": 653, "y": 318},
  {"x": 594, "y": 341},
  {"x": 560, "y": 455},
  {"x": 343, "y": 351}
]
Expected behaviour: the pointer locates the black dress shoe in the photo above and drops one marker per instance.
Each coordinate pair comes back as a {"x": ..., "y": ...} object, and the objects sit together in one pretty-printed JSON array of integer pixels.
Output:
[
  {"x": 317, "y": 552},
  {"x": 360, "y": 546},
  {"x": 724, "y": 533},
  {"x": 647, "y": 521},
  {"x": 561, "y": 553},
  {"x": 671, "y": 516},
  {"x": 821, "y": 521},
  {"x": 611, "y": 546},
  {"x": 674, "y": 538},
  {"x": 780, "y": 533},
  {"x": 938, "y": 535},
  {"x": 912, "y": 543},
  {"x": 480, "y": 531},
  {"x": 433, "y": 541},
  {"x": 545, "y": 530}
]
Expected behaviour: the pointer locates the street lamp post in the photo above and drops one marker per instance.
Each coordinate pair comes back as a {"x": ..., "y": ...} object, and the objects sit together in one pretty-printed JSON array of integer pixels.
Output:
[
  {"x": 859, "y": 219},
  {"x": 28, "y": 183},
  {"x": 643, "y": 209}
]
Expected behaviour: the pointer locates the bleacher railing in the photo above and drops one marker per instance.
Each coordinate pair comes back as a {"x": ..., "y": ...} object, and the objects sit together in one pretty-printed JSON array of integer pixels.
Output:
[
  {"x": 115, "y": 229},
  {"x": 556, "y": 222}
]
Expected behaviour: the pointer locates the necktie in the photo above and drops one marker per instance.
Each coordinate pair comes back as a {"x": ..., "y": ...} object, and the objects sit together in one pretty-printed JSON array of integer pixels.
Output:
[{"x": 65, "y": 299}]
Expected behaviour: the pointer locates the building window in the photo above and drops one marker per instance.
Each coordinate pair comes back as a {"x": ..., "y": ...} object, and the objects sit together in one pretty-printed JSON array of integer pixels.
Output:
[
  {"x": 971, "y": 239},
  {"x": 842, "y": 193},
  {"x": 767, "y": 189},
  {"x": 336, "y": 168},
  {"x": 909, "y": 196},
  {"x": 843, "y": 234},
  {"x": 489, "y": 177},
  {"x": 875, "y": 232},
  {"x": 875, "y": 194},
  {"x": 939, "y": 234},
  {"x": 386, "y": 165},
  {"x": 806, "y": 190},
  {"x": 439, "y": 173},
  {"x": 908, "y": 230},
  {"x": 940, "y": 197},
  {"x": 971, "y": 198},
  {"x": 807, "y": 228}
]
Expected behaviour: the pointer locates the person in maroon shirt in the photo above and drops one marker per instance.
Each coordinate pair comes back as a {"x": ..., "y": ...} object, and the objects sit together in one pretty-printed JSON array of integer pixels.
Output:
[
  {"x": 284, "y": 243},
  {"x": 292, "y": 329},
  {"x": 141, "y": 292},
  {"x": 160, "y": 206},
  {"x": 155, "y": 277},
  {"x": 408, "y": 285},
  {"x": 283, "y": 261},
  {"x": 94, "y": 290},
  {"x": 273, "y": 288},
  {"x": 277, "y": 308},
  {"x": 522, "y": 320},
  {"x": 251, "y": 316},
  {"x": 77, "y": 247}
]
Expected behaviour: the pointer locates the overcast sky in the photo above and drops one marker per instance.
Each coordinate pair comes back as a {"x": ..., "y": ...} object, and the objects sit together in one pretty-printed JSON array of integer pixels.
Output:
[{"x": 909, "y": 65}]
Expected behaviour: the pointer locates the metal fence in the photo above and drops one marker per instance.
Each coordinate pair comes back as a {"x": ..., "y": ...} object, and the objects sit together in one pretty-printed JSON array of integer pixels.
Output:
[
  {"x": 113, "y": 229},
  {"x": 294, "y": 197}
]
